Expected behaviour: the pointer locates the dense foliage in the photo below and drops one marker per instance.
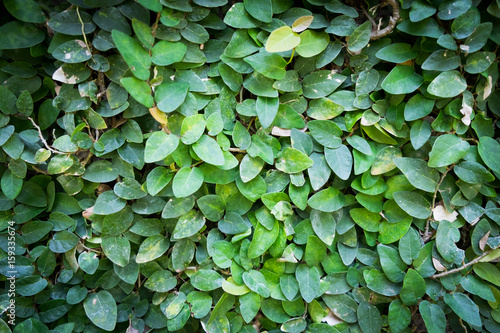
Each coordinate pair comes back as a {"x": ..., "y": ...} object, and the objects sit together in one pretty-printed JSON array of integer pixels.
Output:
[{"x": 205, "y": 165}]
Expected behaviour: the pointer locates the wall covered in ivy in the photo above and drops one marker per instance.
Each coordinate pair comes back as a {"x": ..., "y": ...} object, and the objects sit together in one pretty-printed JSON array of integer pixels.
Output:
[{"x": 249, "y": 166}]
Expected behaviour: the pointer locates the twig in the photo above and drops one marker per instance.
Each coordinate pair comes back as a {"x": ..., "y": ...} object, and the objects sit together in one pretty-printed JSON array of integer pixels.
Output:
[
  {"x": 470, "y": 263},
  {"x": 237, "y": 150},
  {"x": 40, "y": 135},
  {"x": 392, "y": 21},
  {"x": 83, "y": 29},
  {"x": 374, "y": 24},
  {"x": 87, "y": 158},
  {"x": 37, "y": 169},
  {"x": 428, "y": 235}
]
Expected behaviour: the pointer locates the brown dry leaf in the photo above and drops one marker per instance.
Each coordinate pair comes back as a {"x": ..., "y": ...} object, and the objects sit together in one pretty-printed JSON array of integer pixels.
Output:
[
  {"x": 437, "y": 265},
  {"x": 483, "y": 240}
]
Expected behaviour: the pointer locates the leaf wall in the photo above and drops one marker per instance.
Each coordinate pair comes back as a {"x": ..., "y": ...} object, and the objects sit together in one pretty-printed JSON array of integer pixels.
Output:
[{"x": 244, "y": 166}]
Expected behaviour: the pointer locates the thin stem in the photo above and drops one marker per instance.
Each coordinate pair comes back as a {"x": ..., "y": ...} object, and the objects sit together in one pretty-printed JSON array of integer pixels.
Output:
[
  {"x": 427, "y": 234},
  {"x": 90, "y": 249},
  {"x": 374, "y": 24},
  {"x": 392, "y": 21},
  {"x": 40, "y": 135},
  {"x": 237, "y": 150},
  {"x": 291, "y": 57},
  {"x": 458, "y": 269},
  {"x": 83, "y": 29},
  {"x": 250, "y": 123}
]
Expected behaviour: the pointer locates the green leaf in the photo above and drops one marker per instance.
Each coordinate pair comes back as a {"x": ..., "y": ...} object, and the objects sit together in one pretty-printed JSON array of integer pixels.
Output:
[
  {"x": 209, "y": 151},
  {"x": 282, "y": 39},
  {"x": 188, "y": 224},
  {"x": 25, "y": 10},
  {"x": 160, "y": 145},
  {"x": 464, "y": 307},
  {"x": 384, "y": 160},
  {"x": 230, "y": 287},
  {"x": 108, "y": 203},
  {"x": 418, "y": 173},
  {"x": 129, "y": 189},
  {"x": 479, "y": 62},
  {"x": 342, "y": 306},
  {"x": 117, "y": 250},
  {"x": 26, "y": 35},
  {"x": 323, "y": 109},
  {"x": 446, "y": 236},
  {"x": 397, "y": 53},
  {"x": 340, "y": 161},
  {"x": 392, "y": 265},
  {"x": 413, "y": 203},
  {"x": 441, "y": 60},
  {"x": 101, "y": 309},
  {"x": 262, "y": 239},
  {"x": 151, "y": 248},
  {"x": 165, "y": 53},
  {"x": 488, "y": 272},
  {"x": 117, "y": 223},
  {"x": 418, "y": 107},
  {"x": 256, "y": 281},
  {"x": 488, "y": 150},
  {"x": 134, "y": 54},
  {"x": 294, "y": 325},
  {"x": 161, "y": 281},
  {"x": 63, "y": 241},
  {"x": 187, "y": 181},
  {"x": 433, "y": 316},
  {"x": 360, "y": 37},
  {"x": 321, "y": 83},
  {"x": 369, "y": 318},
  {"x": 427, "y": 28},
  {"x": 170, "y": 95},
  {"x": 74, "y": 51},
  {"x": 157, "y": 179},
  {"x": 11, "y": 184},
  {"x": 249, "y": 306},
  {"x": 402, "y": 80},
  {"x": 312, "y": 43},
  {"x": 206, "y": 280},
  {"x": 324, "y": 225},
  {"x": 413, "y": 288},
  {"x": 409, "y": 246},
  {"x": 289, "y": 286},
  {"x": 399, "y": 316},
  {"x": 241, "y": 137},
  {"x": 446, "y": 150},
  {"x": 88, "y": 262},
  {"x": 238, "y": 17},
  {"x": 420, "y": 133},
  {"x": 464, "y": 24},
  {"x": 293, "y": 161},
  {"x": 327, "y": 200},
  {"x": 262, "y": 10},
  {"x": 327, "y": 133},
  {"x": 139, "y": 90},
  {"x": 268, "y": 64},
  {"x": 267, "y": 109},
  {"x": 473, "y": 173},
  {"x": 101, "y": 171},
  {"x": 309, "y": 282},
  {"x": 201, "y": 303},
  {"x": 192, "y": 128},
  {"x": 365, "y": 219},
  {"x": 447, "y": 84}
]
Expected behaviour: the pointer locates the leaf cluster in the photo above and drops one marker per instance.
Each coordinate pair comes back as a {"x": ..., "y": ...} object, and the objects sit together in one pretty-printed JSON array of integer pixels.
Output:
[{"x": 244, "y": 166}]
